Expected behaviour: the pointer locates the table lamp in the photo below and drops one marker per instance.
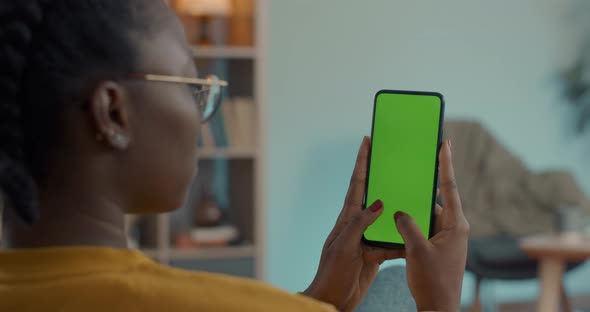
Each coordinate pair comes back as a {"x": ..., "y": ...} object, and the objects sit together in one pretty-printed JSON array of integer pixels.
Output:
[{"x": 204, "y": 11}]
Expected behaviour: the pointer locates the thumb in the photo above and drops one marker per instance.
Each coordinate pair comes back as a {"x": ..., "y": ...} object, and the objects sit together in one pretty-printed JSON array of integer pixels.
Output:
[
  {"x": 409, "y": 230},
  {"x": 361, "y": 221}
]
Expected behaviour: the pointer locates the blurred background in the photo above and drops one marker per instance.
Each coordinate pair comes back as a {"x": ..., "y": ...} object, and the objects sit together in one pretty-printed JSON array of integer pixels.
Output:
[{"x": 277, "y": 159}]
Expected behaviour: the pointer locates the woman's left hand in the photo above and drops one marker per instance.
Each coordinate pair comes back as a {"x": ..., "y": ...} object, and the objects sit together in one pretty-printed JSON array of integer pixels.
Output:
[{"x": 347, "y": 265}]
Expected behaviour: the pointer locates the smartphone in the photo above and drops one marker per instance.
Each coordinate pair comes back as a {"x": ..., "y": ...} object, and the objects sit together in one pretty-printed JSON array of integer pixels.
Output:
[{"x": 403, "y": 162}]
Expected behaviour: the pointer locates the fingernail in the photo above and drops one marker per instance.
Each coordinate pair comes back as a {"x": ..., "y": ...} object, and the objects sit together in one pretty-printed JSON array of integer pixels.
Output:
[
  {"x": 365, "y": 139},
  {"x": 450, "y": 143},
  {"x": 398, "y": 215},
  {"x": 376, "y": 206}
]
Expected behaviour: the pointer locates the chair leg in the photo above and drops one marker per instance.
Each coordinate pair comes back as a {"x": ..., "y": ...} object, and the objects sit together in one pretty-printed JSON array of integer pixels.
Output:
[
  {"x": 476, "y": 306},
  {"x": 565, "y": 301}
]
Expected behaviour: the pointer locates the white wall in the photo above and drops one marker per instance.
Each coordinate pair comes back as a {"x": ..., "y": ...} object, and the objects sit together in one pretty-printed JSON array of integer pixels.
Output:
[{"x": 495, "y": 61}]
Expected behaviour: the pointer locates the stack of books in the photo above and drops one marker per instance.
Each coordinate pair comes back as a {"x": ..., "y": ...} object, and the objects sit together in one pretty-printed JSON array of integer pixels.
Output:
[
  {"x": 211, "y": 236},
  {"x": 234, "y": 126}
]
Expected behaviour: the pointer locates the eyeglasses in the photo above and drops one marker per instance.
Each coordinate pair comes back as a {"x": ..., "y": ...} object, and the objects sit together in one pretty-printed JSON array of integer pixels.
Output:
[{"x": 206, "y": 92}]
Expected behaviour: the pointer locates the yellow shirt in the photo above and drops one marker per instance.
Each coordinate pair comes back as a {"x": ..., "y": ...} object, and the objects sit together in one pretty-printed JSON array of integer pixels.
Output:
[{"x": 113, "y": 280}]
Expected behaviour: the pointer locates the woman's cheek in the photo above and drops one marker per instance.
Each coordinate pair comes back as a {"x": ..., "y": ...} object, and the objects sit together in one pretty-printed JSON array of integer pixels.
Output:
[{"x": 192, "y": 131}]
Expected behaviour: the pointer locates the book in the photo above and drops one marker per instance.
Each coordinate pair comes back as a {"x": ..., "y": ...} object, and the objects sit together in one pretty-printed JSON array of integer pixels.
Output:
[
  {"x": 214, "y": 234},
  {"x": 245, "y": 111},
  {"x": 236, "y": 127},
  {"x": 229, "y": 118}
]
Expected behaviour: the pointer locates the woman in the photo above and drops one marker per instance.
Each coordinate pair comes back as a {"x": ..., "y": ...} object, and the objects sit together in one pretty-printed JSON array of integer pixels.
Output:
[{"x": 86, "y": 136}]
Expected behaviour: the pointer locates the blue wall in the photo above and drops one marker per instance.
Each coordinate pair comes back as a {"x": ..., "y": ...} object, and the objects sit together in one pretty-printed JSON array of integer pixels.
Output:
[{"x": 495, "y": 61}]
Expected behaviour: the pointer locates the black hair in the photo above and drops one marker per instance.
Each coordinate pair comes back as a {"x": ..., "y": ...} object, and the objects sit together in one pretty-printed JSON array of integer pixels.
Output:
[{"x": 52, "y": 53}]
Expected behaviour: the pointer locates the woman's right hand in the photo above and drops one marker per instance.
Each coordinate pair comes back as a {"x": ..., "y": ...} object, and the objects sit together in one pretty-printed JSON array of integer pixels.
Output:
[{"x": 435, "y": 267}]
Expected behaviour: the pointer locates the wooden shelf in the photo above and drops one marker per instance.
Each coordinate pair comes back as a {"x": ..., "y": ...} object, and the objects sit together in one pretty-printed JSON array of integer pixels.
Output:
[
  {"x": 224, "y": 52},
  {"x": 230, "y": 252},
  {"x": 232, "y": 152}
]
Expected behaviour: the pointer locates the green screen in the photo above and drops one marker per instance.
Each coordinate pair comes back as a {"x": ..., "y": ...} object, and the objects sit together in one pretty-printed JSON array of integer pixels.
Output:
[{"x": 403, "y": 161}]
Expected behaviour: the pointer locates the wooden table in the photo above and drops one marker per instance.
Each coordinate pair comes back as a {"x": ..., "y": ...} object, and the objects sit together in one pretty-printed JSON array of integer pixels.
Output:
[{"x": 553, "y": 252}]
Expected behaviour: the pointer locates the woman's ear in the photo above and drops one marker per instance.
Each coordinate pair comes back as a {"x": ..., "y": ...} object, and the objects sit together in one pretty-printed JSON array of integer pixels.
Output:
[{"x": 110, "y": 110}]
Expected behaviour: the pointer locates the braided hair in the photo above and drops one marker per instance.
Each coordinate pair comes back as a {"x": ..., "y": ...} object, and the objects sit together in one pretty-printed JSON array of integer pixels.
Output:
[{"x": 52, "y": 53}]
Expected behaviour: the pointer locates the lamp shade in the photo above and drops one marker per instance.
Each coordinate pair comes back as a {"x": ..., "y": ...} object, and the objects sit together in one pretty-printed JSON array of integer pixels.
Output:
[{"x": 204, "y": 7}]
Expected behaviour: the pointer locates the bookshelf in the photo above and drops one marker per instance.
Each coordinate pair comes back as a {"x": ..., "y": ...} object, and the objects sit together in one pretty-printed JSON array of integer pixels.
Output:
[{"x": 241, "y": 159}]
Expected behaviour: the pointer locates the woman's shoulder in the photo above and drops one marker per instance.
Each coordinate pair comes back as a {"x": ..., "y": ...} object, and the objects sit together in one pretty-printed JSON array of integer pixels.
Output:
[
  {"x": 216, "y": 292},
  {"x": 102, "y": 279}
]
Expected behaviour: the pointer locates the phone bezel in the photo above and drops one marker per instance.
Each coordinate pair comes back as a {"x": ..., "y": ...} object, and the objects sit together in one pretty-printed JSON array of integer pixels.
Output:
[{"x": 435, "y": 182}]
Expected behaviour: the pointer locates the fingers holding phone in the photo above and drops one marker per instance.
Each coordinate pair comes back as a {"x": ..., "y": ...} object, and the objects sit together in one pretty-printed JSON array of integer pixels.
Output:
[
  {"x": 453, "y": 214},
  {"x": 396, "y": 170},
  {"x": 435, "y": 267}
]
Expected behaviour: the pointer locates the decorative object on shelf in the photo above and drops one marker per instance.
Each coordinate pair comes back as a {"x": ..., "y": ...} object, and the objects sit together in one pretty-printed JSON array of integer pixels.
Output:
[
  {"x": 208, "y": 212},
  {"x": 211, "y": 16},
  {"x": 209, "y": 228}
]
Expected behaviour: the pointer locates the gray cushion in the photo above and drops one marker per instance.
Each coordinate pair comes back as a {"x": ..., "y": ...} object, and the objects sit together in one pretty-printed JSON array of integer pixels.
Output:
[{"x": 389, "y": 292}]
